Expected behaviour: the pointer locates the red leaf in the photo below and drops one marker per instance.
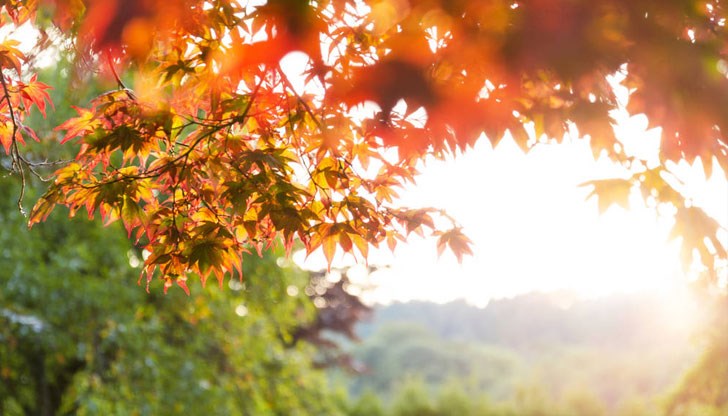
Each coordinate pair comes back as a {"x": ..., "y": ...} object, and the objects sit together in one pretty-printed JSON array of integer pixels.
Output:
[
  {"x": 77, "y": 126},
  {"x": 35, "y": 92},
  {"x": 182, "y": 282}
]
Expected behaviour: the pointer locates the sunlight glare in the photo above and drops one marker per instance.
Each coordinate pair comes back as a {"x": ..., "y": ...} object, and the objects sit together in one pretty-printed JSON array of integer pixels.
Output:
[{"x": 532, "y": 229}]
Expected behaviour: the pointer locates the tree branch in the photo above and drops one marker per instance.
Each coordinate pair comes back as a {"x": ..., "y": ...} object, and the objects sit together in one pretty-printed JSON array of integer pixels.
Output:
[{"x": 16, "y": 159}]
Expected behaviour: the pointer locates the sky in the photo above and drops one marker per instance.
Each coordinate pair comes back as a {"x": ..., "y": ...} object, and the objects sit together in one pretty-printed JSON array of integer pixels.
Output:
[{"x": 533, "y": 228}]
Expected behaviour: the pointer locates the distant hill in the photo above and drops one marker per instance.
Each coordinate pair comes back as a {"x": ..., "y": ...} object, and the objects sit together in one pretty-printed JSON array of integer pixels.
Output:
[{"x": 618, "y": 347}]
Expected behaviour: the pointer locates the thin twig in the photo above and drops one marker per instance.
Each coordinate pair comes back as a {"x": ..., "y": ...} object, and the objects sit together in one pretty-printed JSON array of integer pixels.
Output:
[
  {"x": 300, "y": 99},
  {"x": 119, "y": 82},
  {"x": 16, "y": 159}
]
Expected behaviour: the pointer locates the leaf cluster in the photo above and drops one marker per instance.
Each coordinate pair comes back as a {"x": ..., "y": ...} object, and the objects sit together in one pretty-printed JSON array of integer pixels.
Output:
[{"x": 216, "y": 150}]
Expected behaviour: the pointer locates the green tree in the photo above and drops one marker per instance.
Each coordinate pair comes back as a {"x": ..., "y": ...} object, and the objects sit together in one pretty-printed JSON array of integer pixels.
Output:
[
  {"x": 367, "y": 404},
  {"x": 453, "y": 401},
  {"x": 396, "y": 351},
  {"x": 78, "y": 339},
  {"x": 413, "y": 399}
]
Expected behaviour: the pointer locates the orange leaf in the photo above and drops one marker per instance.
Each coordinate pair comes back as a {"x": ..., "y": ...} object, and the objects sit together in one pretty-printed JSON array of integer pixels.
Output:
[
  {"x": 6, "y": 135},
  {"x": 329, "y": 247},
  {"x": 361, "y": 244},
  {"x": 456, "y": 241},
  {"x": 609, "y": 192},
  {"x": 77, "y": 126},
  {"x": 10, "y": 56},
  {"x": 43, "y": 207},
  {"x": 35, "y": 92},
  {"x": 345, "y": 242}
]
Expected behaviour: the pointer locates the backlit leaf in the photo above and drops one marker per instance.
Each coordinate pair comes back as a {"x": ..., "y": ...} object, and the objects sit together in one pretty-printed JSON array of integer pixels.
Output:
[{"x": 610, "y": 192}]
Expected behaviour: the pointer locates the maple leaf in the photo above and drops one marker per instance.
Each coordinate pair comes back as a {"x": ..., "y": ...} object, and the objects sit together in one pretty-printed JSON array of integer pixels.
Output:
[
  {"x": 386, "y": 83},
  {"x": 699, "y": 232},
  {"x": 10, "y": 55},
  {"x": 6, "y": 135},
  {"x": 35, "y": 92},
  {"x": 414, "y": 219},
  {"x": 78, "y": 126},
  {"x": 329, "y": 248},
  {"x": 44, "y": 206},
  {"x": 609, "y": 192},
  {"x": 456, "y": 241},
  {"x": 594, "y": 119}
]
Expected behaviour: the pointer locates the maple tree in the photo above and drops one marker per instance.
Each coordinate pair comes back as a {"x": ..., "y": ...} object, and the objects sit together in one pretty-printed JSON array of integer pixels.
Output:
[{"x": 213, "y": 150}]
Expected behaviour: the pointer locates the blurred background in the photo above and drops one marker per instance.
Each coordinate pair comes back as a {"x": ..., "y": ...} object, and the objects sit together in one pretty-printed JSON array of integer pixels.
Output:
[{"x": 571, "y": 322}]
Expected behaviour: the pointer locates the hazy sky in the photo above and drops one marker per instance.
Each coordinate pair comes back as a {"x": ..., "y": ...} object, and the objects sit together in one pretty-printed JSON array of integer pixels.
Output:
[{"x": 534, "y": 230}]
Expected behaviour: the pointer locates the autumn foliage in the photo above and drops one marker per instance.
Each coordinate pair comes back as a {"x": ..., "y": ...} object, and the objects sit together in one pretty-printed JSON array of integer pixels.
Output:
[{"x": 212, "y": 149}]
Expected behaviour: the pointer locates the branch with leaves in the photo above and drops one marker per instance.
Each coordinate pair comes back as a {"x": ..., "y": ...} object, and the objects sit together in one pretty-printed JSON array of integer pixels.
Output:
[
  {"x": 216, "y": 153},
  {"x": 17, "y": 99}
]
